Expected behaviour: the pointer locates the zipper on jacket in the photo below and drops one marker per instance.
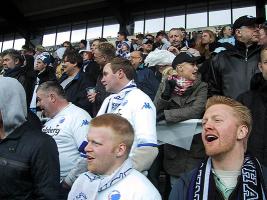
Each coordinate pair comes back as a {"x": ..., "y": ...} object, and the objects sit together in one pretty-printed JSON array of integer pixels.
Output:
[
  {"x": 8, "y": 162},
  {"x": 246, "y": 58}
]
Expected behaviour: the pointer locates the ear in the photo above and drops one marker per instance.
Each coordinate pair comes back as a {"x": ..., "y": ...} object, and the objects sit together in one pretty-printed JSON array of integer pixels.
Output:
[
  {"x": 179, "y": 68},
  {"x": 242, "y": 132},
  {"x": 105, "y": 58},
  {"x": 121, "y": 74},
  {"x": 17, "y": 61},
  {"x": 237, "y": 32},
  {"x": 52, "y": 97},
  {"x": 260, "y": 66},
  {"x": 121, "y": 150}
]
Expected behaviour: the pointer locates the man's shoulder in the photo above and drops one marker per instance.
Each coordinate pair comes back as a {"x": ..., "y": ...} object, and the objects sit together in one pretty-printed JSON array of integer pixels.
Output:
[
  {"x": 138, "y": 99},
  {"x": 139, "y": 96},
  {"x": 142, "y": 184},
  {"x": 74, "y": 111},
  {"x": 69, "y": 116}
]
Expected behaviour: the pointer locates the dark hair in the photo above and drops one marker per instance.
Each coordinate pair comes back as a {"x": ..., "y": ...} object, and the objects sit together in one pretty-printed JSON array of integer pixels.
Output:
[
  {"x": 68, "y": 43},
  {"x": 222, "y": 30},
  {"x": 84, "y": 42},
  {"x": 123, "y": 33},
  {"x": 73, "y": 57},
  {"x": 162, "y": 33},
  {"x": 140, "y": 36},
  {"x": 264, "y": 27},
  {"x": 15, "y": 55},
  {"x": 124, "y": 64},
  {"x": 182, "y": 29},
  {"x": 54, "y": 86}
]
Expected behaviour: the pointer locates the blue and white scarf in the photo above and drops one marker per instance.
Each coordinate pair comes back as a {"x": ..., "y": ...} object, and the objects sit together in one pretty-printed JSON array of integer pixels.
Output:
[
  {"x": 88, "y": 185},
  {"x": 202, "y": 186},
  {"x": 117, "y": 99}
]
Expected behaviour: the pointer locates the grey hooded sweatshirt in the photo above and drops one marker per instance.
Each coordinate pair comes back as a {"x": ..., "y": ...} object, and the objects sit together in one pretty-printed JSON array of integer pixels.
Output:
[
  {"x": 29, "y": 164},
  {"x": 12, "y": 104}
]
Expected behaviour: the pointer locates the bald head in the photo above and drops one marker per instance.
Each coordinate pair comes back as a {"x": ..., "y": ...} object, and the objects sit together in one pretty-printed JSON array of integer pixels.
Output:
[{"x": 136, "y": 58}]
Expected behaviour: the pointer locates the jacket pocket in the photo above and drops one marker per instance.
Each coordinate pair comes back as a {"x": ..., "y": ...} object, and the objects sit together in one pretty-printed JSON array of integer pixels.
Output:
[
  {"x": 15, "y": 175},
  {"x": 14, "y": 164}
]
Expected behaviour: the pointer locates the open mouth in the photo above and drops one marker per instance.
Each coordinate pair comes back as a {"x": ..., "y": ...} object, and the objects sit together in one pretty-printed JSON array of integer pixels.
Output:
[
  {"x": 90, "y": 158},
  {"x": 211, "y": 138}
]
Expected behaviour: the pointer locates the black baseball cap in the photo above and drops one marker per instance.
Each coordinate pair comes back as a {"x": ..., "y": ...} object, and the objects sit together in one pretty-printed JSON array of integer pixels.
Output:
[
  {"x": 184, "y": 57},
  {"x": 247, "y": 20}
]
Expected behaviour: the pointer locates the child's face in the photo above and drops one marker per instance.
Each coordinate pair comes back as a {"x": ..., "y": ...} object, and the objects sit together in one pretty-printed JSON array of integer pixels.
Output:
[
  {"x": 124, "y": 48},
  {"x": 263, "y": 63}
]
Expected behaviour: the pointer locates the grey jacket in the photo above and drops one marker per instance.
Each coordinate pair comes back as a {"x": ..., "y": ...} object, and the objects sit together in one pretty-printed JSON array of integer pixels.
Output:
[{"x": 179, "y": 108}]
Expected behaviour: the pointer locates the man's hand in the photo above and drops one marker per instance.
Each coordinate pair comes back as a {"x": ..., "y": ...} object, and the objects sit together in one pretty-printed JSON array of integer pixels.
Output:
[
  {"x": 91, "y": 97},
  {"x": 174, "y": 50}
]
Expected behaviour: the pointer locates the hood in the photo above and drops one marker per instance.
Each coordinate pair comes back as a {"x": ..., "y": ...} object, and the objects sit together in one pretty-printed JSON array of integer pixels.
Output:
[{"x": 12, "y": 104}]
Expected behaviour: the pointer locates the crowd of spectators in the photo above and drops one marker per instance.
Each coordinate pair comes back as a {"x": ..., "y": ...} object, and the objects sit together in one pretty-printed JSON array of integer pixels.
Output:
[{"x": 92, "y": 111}]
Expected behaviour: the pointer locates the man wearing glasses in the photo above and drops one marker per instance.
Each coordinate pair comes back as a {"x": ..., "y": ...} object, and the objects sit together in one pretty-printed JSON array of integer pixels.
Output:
[{"x": 230, "y": 71}]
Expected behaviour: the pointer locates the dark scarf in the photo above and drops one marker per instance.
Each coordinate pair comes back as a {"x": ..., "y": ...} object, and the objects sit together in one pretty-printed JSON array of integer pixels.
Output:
[
  {"x": 9, "y": 72},
  {"x": 252, "y": 183}
]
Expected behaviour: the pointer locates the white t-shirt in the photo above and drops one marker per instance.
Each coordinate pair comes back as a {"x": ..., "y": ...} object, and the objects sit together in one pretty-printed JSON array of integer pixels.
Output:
[
  {"x": 69, "y": 128},
  {"x": 134, "y": 186},
  {"x": 140, "y": 111}
]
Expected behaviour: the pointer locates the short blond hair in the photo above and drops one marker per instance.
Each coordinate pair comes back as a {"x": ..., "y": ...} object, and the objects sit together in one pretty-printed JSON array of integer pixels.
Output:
[
  {"x": 242, "y": 113},
  {"x": 121, "y": 128}
]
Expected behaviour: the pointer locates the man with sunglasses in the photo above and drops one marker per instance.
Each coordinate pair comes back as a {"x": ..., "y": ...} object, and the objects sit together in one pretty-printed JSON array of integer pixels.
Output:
[{"x": 230, "y": 71}]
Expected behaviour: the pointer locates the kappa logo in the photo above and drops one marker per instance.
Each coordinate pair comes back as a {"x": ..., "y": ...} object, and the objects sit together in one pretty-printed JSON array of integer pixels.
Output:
[
  {"x": 80, "y": 196},
  {"x": 85, "y": 122},
  {"x": 114, "y": 195},
  {"x": 62, "y": 120},
  {"x": 146, "y": 106},
  {"x": 124, "y": 103}
]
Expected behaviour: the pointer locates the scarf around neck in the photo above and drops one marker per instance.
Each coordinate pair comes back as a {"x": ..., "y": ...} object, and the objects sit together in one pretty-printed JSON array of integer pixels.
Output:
[
  {"x": 182, "y": 84},
  {"x": 117, "y": 99},
  {"x": 88, "y": 185},
  {"x": 252, "y": 183}
]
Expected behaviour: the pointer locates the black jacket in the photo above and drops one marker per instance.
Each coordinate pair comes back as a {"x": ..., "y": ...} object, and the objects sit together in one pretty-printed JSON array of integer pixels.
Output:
[
  {"x": 26, "y": 80},
  {"x": 256, "y": 101},
  {"x": 230, "y": 71},
  {"x": 76, "y": 91},
  {"x": 48, "y": 74},
  {"x": 92, "y": 70},
  {"x": 180, "y": 189},
  {"x": 29, "y": 165},
  {"x": 101, "y": 94}
]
